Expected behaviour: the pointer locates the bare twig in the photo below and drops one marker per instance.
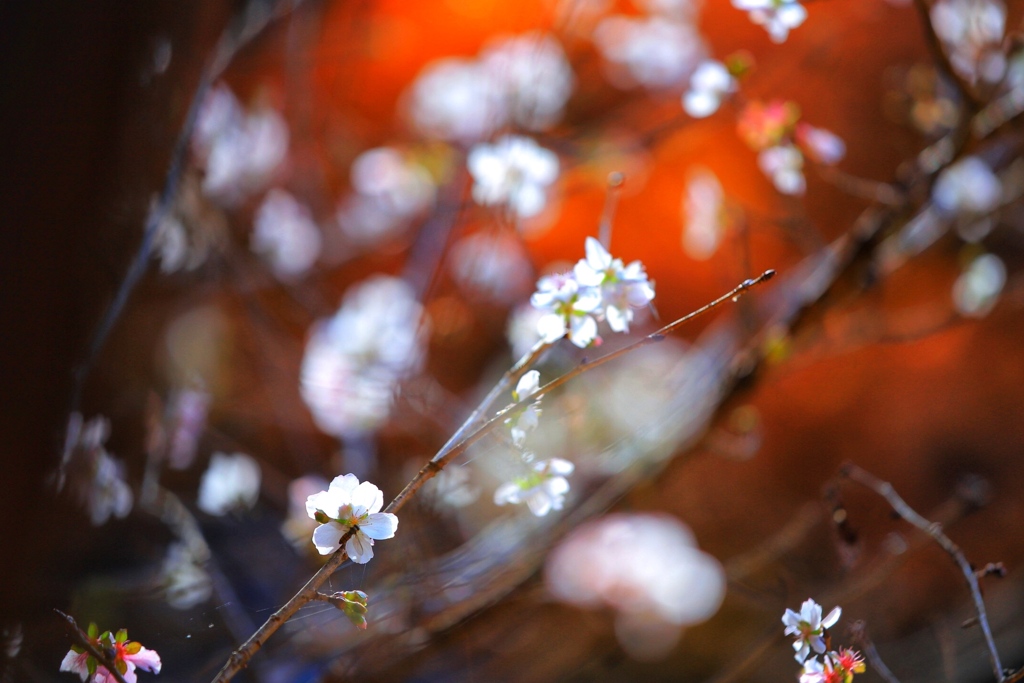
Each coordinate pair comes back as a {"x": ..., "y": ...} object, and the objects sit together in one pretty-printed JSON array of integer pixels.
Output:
[
  {"x": 82, "y": 641},
  {"x": 934, "y": 530},
  {"x": 859, "y": 632}
]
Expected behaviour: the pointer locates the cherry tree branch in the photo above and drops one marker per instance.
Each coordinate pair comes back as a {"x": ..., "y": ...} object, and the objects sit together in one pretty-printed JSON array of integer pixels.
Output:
[
  {"x": 934, "y": 530},
  {"x": 82, "y": 641},
  {"x": 455, "y": 447}
]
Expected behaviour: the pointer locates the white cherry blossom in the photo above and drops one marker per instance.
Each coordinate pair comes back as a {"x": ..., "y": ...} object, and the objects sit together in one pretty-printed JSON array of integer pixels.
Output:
[
  {"x": 710, "y": 83},
  {"x": 285, "y": 234},
  {"x": 569, "y": 309},
  {"x": 646, "y": 567},
  {"x": 345, "y": 506},
  {"x": 622, "y": 288},
  {"x": 977, "y": 290},
  {"x": 968, "y": 186},
  {"x": 543, "y": 489},
  {"x": 355, "y": 359},
  {"x": 784, "y": 165},
  {"x": 821, "y": 145},
  {"x": 454, "y": 99},
  {"x": 777, "y": 16},
  {"x": 655, "y": 52},
  {"x": 533, "y": 75},
  {"x": 972, "y": 32},
  {"x": 809, "y": 627},
  {"x": 239, "y": 150},
  {"x": 527, "y": 419},
  {"x": 515, "y": 171},
  {"x": 231, "y": 482}
]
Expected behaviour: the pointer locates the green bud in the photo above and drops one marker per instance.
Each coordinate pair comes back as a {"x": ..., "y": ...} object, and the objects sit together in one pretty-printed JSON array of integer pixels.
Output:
[{"x": 321, "y": 517}]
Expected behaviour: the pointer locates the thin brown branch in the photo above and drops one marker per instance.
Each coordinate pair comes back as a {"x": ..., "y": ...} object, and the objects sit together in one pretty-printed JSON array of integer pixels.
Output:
[
  {"x": 859, "y": 633},
  {"x": 240, "y": 657},
  {"x": 934, "y": 530},
  {"x": 82, "y": 641}
]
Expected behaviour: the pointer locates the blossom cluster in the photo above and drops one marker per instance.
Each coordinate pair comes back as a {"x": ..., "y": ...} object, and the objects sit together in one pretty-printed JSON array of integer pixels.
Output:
[
  {"x": 598, "y": 288},
  {"x": 778, "y": 17},
  {"x": 514, "y": 172},
  {"x": 97, "y": 476},
  {"x": 810, "y": 632},
  {"x": 647, "y": 568},
  {"x": 355, "y": 359},
  {"x": 239, "y": 150},
  {"x": 390, "y": 188},
  {"x": 523, "y": 80},
  {"x": 658, "y": 49},
  {"x": 972, "y": 32},
  {"x": 124, "y": 654},
  {"x": 775, "y": 131}
]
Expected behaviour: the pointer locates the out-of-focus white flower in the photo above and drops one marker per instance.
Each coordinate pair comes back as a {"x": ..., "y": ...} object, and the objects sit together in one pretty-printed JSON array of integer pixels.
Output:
[
  {"x": 401, "y": 185},
  {"x": 231, "y": 482},
  {"x": 109, "y": 494},
  {"x": 968, "y": 186},
  {"x": 543, "y": 489},
  {"x": 977, "y": 290},
  {"x": 569, "y": 309},
  {"x": 391, "y": 189},
  {"x": 646, "y": 567},
  {"x": 702, "y": 214},
  {"x": 972, "y": 32},
  {"x": 185, "y": 582},
  {"x": 285, "y": 234},
  {"x": 622, "y": 288},
  {"x": 348, "y": 505},
  {"x": 494, "y": 265},
  {"x": 527, "y": 419},
  {"x": 514, "y": 171},
  {"x": 219, "y": 111},
  {"x": 187, "y": 416},
  {"x": 452, "y": 487},
  {"x": 239, "y": 150},
  {"x": 533, "y": 75},
  {"x": 522, "y": 329},
  {"x": 355, "y": 359},
  {"x": 821, "y": 145},
  {"x": 809, "y": 628},
  {"x": 778, "y": 17},
  {"x": 298, "y": 526},
  {"x": 454, "y": 99},
  {"x": 652, "y": 51},
  {"x": 784, "y": 165},
  {"x": 710, "y": 83},
  {"x": 98, "y": 477}
]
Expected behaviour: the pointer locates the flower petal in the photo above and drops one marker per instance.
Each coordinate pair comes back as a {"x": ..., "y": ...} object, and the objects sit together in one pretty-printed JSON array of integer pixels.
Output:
[
  {"x": 359, "y": 548},
  {"x": 380, "y": 525},
  {"x": 147, "y": 660},
  {"x": 368, "y": 497},
  {"x": 326, "y": 538},
  {"x": 507, "y": 493}
]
